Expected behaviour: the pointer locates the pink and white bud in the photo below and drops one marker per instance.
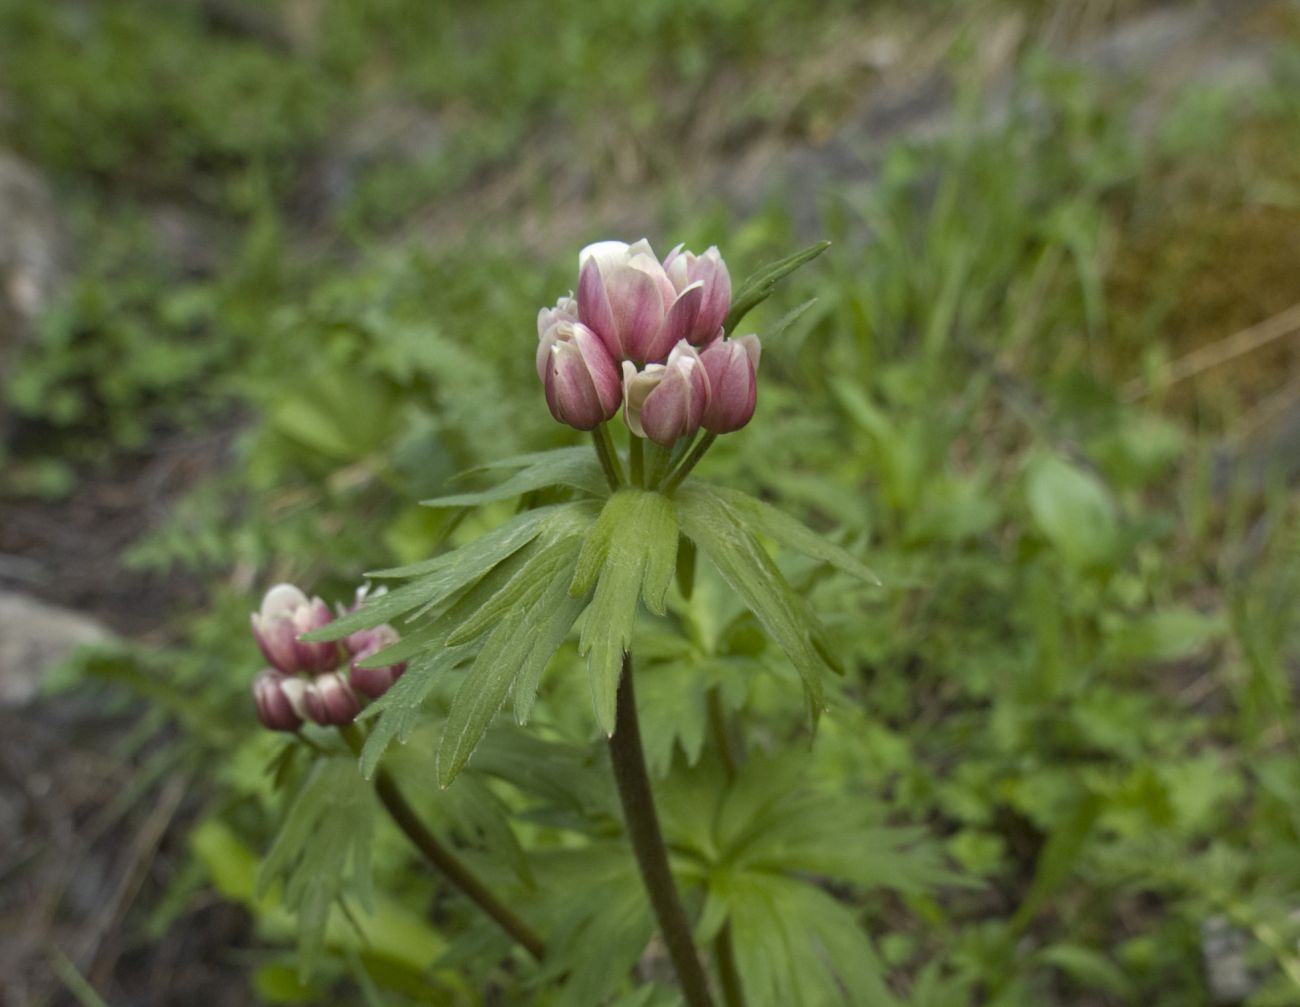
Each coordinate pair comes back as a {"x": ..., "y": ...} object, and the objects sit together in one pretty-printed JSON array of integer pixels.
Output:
[
  {"x": 285, "y": 615},
  {"x": 330, "y": 701},
  {"x": 548, "y": 319},
  {"x": 685, "y": 268},
  {"x": 732, "y": 367},
  {"x": 666, "y": 401},
  {"x": 279, "y": 700},
  {"x": 581, "y": 379},
  {"x": 365, "y": 644},
  {"x": 627, "y": 299}
]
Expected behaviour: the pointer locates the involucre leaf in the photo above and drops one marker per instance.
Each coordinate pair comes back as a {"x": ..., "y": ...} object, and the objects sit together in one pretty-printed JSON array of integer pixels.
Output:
[
  {"x": 567, "y": 467},
  {"x": 439, "y": 579},
  {"x": 767, "y": 520},
  {"x": 399, "y": 711},
  {"x": 631, "y": 553},
  {"x": 527, "y": 633},
  {"x": 758, "y": 287},
  {"x": 743, "y": 563}
]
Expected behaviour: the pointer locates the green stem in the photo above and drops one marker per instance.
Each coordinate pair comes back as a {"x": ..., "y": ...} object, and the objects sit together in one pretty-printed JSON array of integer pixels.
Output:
[
  {"x": 628, "y": 760},
  {"x": 608, "y": 457},
  {"x": 636, "y": 459},
  {"x": 689, "y": 462},
  {"x": 724, "y": 956},
  {"x": 455, "y": 870}
]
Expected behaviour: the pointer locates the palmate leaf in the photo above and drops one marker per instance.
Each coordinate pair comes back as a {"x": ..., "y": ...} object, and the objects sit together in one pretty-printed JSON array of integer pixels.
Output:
[
  {"x": 630, "y": 554},
  {"x": 795, "y": 945},
  {"x": 720, "y": 533},
  {"x": 758, "y": 287},
  {"x": 576, "y": 779},
  {"x": 602, "y": 921},
  {"x": 322, "y": 851}
]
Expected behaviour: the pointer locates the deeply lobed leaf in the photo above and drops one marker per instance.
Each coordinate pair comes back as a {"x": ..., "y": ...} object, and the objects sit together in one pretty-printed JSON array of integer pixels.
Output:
[{"x": 743, "y": 563}]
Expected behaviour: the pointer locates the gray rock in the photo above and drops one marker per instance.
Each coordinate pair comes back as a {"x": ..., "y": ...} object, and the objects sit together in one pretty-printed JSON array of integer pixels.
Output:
[
  {"x": 35, "y": 637},
  {"x": 32, "y": 255}
]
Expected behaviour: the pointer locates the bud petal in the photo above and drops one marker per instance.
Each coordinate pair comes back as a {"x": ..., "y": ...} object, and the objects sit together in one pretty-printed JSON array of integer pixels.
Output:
[
  {"x": 678, "y": 323},
  {"x": 548, "y": 319},
  {"x": 666, "y": 402},
  {"x": 581, "y": 381},
  {"x": 684, "y": 268},
  {"x": 330, "y": 701},
  {"x": 732, "y": 366},
  {"x": 286, "y": 614},
  {"x": 623, "y": 296},
  {"x": 278, "y": 699}
]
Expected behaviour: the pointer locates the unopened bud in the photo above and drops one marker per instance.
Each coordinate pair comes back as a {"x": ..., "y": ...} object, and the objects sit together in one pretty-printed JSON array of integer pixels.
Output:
[
  {"x": 581, "y": 380},
  {"x": 330, "y": 701},
  {"x": 666, "y": 401},
  {"x": 732, "y": 366},
  {"x": 286, "y": 614},
  {"x": 627, "y": 299},
  {"x": 685, "y": 268},
  {"x": 279, "y": 700}
]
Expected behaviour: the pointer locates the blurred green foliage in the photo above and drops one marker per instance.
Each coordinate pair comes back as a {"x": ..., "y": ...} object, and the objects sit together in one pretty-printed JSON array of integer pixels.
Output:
[{"x": 1078, "y": 676}]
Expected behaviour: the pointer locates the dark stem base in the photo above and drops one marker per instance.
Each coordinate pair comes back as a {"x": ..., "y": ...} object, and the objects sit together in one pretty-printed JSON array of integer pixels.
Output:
[{"x": 647, "y": 840}]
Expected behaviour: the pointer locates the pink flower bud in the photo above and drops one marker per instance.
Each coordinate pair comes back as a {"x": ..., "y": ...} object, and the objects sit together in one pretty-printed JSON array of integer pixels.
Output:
[
  {"x": 666, "y": 401},
  {"x": 732, "y": 366},
  {"x": 685, "y": 268},
  {"x": 581, "y": 380},
  {"x": 330, "y": 701},
  {"x": 285, "y": 615},
  {"x": 365, "y": 644},
  {"x": 279, "y": 700},
  {"x": 627, "y": 299}
]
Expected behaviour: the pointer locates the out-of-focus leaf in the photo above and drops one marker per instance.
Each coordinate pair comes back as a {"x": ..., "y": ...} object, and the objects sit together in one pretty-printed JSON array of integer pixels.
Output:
[{"x": 1073, "y": 509}]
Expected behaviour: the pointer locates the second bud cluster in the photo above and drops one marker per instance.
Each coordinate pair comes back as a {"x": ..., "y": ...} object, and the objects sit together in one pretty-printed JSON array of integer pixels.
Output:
[{"x": 320, "y": 682}]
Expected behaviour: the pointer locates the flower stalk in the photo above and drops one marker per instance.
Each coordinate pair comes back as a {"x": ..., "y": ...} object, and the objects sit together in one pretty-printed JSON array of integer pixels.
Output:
[
  {"x": 633, "y": 780},
  {"x": 608, "y": 456},
  {"x": 689, "y": 462},
  {"x": 446, "y": 862}
]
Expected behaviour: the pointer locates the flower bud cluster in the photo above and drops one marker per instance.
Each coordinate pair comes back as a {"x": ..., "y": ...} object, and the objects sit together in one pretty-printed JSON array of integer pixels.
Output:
[
  {"x": 647, "y": 336},
  {"x": 318, "y": 682}
]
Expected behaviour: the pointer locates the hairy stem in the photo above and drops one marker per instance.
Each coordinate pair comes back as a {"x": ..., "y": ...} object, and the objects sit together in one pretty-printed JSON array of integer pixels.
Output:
[
  {"x": 451, "y": 866},
  {"x": 608, "y": 457},
  {"x": 647, "y": 840},
  {"x": 689, "y": 462}
]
